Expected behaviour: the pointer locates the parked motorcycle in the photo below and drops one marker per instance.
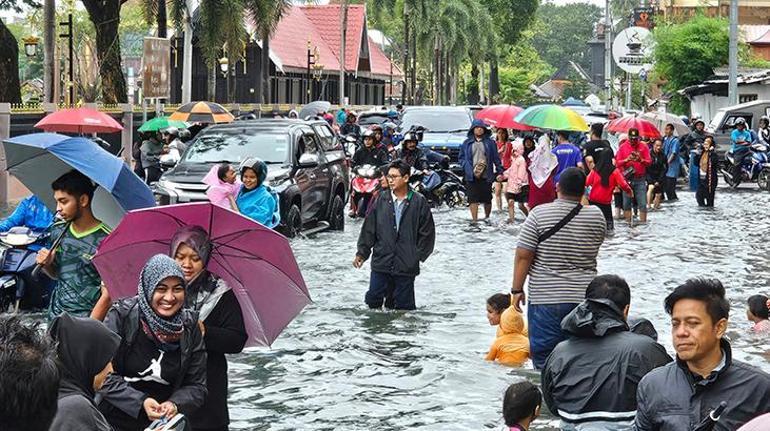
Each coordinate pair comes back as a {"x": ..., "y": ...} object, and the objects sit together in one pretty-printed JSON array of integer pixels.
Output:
[
  {"x": 362, "y": 186},
  {"x": 439, "y": 186},
  {"x": 19, "y": 287},
  {"x": 754, "y": 168}
]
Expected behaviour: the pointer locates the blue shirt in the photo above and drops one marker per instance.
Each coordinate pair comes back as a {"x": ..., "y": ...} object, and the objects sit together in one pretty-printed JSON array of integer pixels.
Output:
[
  {"x": 671, "y": 146},
  {"x": 398, "y": 206},
  {"x": 737, "y": 135},
  {"x": 568, "y": 155}
]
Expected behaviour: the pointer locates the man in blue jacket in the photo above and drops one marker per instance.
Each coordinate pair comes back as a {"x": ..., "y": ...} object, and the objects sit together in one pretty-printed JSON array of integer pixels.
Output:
[
  {"x": 32, "y": 213},
  {"x": 481, "y": 166}
]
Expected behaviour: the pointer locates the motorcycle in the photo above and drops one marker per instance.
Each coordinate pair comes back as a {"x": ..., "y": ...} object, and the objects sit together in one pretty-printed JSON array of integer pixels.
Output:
[
  {"x": 20, "y": 287},
  {"x": 439, "y": 186},
  {"x": 365, "y": 180},
  {"x": 754, "y": 168}
]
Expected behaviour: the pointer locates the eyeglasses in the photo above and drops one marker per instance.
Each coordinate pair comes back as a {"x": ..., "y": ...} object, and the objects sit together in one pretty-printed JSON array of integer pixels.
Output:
[{"x": 393, "y": 177}]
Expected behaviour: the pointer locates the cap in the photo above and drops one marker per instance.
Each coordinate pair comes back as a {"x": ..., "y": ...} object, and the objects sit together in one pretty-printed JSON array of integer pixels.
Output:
[{"x": 633, "y": 133}]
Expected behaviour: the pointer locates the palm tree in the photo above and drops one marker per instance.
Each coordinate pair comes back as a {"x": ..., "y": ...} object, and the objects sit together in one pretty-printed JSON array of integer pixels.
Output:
[
  {"x": 266, "y": 14},
  {"x": 221, "y": 32},
  {"x": 154, "y": 11}
]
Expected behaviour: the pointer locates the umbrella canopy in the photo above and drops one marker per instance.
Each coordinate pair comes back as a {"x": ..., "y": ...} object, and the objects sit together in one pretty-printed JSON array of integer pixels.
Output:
[
  {"x": 660, "y": 119},
  {"x": 202, "y": 112},
  {"x": 79, "y": 120},
  {"x": 552, "y": 117},
  {"x": 160, "y": 123},
  {"x": 573, "y": 102},
  {"x": 40, "y": 158},
  {"x": 502, "y": 116},
  {"x": 256, "y": 262},
  {"x": 646, "y": 128},
  {"x": 314, "y": 108}
]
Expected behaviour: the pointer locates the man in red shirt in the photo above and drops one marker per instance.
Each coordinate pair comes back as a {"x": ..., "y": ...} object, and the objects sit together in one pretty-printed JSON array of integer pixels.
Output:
[{"x": 632, "y": 160}]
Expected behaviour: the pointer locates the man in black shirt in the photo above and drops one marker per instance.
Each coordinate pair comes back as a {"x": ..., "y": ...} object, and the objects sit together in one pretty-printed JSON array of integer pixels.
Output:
[{"x": 594, "y": 146}]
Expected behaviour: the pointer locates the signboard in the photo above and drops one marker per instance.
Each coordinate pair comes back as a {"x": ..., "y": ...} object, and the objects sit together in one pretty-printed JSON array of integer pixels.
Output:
[
  {"x": 644, "y": 17},
  {"x": 156, "y": 62},
  {"x": 632, "y": 49}
]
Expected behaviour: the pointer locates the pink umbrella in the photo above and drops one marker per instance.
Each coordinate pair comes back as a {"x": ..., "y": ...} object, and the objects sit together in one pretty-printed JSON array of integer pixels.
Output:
[
  {"x": 79, "y": 120},
  {"x": 502, "y": 116},
  {"x": 256, "y": 262}
]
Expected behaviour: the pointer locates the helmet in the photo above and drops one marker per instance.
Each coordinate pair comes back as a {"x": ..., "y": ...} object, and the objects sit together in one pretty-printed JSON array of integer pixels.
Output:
[
  {"x": 698, "y": 120},
  {"x": 766, "y": 119},
  {"x": 392, "y": 114},
  {"x": 375, "y": 128},
  {"x": 293, "y": 114},
  {"x": 368, "y": 133},
  {"x": 410, "y": 136},
  {"x": 173, "y": 131},
  {"x": 184, "y": 134},
  {"x": 740, "y": 121},
  {"x": 352, "y": 115}
]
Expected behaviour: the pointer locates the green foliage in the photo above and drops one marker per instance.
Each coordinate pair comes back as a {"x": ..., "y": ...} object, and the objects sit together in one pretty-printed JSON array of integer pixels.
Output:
[
  {"x": 561, "y": 33},
  {"x": 512, "y": 17},
  {"x": 222, "y": 26},
  {"x": 687, "y": 53},
  {"x": 520, "y": 68}
]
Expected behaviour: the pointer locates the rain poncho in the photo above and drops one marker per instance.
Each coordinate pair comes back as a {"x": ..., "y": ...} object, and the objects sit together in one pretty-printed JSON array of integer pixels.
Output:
[
  {"x": 220, "y": 191},
  {"x": 542, "y": 161},
  {"x": 511, "y": 347},
  {"x": 516, "y": 174},
  {"x": 32, "y": 213},
  {"x": 260, "y": 203}
]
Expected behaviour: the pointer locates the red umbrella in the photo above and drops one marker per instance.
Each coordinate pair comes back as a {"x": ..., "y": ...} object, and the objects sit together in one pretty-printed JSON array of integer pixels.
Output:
[
  {"x": 502, "y": 116},
  {"x": 79, "y": 120},
  {"x": 646, "y": 128}
]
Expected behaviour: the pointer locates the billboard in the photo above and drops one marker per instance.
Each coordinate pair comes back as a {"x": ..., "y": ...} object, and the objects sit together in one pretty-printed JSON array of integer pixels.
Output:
[{"x": 156, "y": 62}]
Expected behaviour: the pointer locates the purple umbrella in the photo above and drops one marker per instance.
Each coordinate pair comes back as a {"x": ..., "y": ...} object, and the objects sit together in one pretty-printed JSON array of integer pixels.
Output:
[{"x": 256, "y": 262}]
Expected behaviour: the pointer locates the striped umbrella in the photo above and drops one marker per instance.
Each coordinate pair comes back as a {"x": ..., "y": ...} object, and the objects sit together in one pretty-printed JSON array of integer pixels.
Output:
[
  {"x": 552, "y": 117},
  {"x": 202, "y": 112}
]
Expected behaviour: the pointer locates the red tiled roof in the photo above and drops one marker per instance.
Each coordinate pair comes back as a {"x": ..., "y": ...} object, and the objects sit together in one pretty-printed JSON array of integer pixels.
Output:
[
  {"x": 290, "y": 42},
  {"x": 327, "y": 20},
  {"x": 381, "y": 63}
]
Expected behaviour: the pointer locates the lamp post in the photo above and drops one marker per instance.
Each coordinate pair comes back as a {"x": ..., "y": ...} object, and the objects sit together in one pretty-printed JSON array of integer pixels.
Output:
[
  {"x": 312, "y": 59},
  {"x": 69, "y": 37},
  {"x": 224, "y": 66},
  {"x": 30, "y": 45}
]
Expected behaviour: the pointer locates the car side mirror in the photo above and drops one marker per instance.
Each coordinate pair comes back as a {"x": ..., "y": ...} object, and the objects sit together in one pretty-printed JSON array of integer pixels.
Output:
[{"x": 308, "y": 160}]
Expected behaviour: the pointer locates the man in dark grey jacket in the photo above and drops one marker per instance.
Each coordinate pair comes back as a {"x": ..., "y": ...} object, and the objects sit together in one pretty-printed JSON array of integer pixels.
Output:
[
  {"x": 590, "y": 379},
  {"x": 401, "y": 233},
  {"x": 681, "y": 395}
]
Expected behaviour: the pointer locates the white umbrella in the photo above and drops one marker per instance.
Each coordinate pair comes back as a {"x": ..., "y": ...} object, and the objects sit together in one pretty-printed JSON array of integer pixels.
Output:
[{"x": 660, "y": 119}]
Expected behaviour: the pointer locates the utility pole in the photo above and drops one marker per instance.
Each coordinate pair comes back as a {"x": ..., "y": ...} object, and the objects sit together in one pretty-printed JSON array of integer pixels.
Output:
[
  {"x": 344, "y": 31},
  {"x": 407, "y": 77},
  {"x": 187, "y": 52},
  {"x": 732, "y": 88},
  {"x": 71, "y": 80},
  {"x": 608, "y": 56},
  {"x": 49, "y": 49}
]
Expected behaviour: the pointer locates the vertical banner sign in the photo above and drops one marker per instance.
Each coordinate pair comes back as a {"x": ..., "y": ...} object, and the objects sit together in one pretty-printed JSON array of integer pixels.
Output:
[
  {"x": 644, "y": 17},
  {"x": 156, "y": 62}
]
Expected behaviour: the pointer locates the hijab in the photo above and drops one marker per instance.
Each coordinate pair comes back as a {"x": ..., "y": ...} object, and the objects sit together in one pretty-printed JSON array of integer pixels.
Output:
[
  {"x": 166, "y": 331},
  {"x": 259, "y": 167},
  {"x": 543, "y": 162},
  {"x": 84, "y": 347}
]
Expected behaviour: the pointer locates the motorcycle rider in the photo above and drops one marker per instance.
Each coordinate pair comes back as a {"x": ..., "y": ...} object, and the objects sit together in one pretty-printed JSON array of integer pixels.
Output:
[
  {"x": 350, "y": 128},
  {"x": 741, "y": 140},
  {"x": 370, "y": 153},
  {"x": 31, "y": 213},
  {"x": 763, "y": 131},
  {"x": 411, "y": 153},
  {"x": 173, "y": 144}
]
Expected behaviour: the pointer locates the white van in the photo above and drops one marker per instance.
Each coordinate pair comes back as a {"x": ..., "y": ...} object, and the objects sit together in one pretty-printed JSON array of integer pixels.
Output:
[{"x": 723, "y": 123}]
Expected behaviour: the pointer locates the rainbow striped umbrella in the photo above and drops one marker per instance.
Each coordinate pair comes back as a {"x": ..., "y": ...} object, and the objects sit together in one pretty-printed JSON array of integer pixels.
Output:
[
  {"x": 202, "y": 112},
  {"x": 553, "y": 117}
]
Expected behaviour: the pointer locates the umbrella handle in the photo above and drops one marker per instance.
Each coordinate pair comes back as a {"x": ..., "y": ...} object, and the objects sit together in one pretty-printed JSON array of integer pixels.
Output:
[{"x": 54, "y": 245}]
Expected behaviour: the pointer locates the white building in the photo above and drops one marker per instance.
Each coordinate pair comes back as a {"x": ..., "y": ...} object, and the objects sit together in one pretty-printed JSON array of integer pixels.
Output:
[{"x": 709, "y": 96}]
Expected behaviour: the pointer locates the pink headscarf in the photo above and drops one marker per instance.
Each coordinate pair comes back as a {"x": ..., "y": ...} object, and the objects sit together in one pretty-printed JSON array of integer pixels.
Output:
[{"x": 219, "y": 191}]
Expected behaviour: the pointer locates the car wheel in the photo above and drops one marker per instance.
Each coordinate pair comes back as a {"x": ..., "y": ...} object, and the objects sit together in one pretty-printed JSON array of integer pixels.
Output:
[
  {"x": 337, "y": 215},
  {"x": 293, "y": 225}
]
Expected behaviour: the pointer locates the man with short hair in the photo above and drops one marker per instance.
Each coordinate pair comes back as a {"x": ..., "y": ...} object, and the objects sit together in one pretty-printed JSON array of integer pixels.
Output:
[
  {"x": 681, "y": 395},
  {"x": 557, "y": 249},
  {"x": 671, "y": 150},
  {"x": 569, "y": 155},
  {"x": 632, "y": 159},
  {"x": 400, "y": 230},
  {"x": 590, "y": 379},
  {"x": 79, "y": 290},
  {"x": 29, "y": 377},
  {"x": 595, "y": 146}
]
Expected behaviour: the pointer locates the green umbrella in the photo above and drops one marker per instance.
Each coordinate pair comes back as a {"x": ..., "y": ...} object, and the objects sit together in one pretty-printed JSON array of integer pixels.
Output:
[
  {"x": 552, "y": 117},
  {"x": 160, "y": 123}
]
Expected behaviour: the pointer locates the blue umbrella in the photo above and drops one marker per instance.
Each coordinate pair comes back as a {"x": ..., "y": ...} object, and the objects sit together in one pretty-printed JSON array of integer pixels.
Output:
[{"x": 38, "y": 159}]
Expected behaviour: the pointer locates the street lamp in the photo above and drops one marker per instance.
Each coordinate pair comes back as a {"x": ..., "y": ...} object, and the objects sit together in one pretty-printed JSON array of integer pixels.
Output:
[
  {"x": 70, "y": 39},
  {"x": 224, "y": 65},
  {"x": 30, "y": 45},
  {"x": 312, "y": 61}
]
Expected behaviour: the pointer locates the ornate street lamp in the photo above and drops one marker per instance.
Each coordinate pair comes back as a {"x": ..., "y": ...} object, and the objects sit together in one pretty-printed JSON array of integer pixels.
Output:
[
  {"x": 30, "y": 45},
  {"x": 224, "y": 65}
]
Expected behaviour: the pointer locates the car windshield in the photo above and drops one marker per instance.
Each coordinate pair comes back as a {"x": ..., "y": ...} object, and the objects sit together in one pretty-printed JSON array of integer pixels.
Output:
[
  {"x": 235, "y": 145},
  {"x": 437, "y": 120},
  {"x": 366, "y": 120},
  {"x": 716, "y": 121}
]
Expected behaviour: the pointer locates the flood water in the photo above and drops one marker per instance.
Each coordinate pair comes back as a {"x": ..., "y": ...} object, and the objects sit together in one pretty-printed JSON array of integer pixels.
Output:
[{"x": 339, "y": 366}]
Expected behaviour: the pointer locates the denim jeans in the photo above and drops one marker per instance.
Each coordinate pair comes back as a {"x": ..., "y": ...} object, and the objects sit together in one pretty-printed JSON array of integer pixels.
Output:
[
  {"x": 640, "y": 195},
  {"x": 394, "y": 291},
  {"x": 545, "y": 330}
]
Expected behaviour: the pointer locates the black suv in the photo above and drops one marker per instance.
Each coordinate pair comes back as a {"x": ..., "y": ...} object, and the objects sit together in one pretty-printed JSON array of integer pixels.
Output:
[{"x": 307, "y": 167}]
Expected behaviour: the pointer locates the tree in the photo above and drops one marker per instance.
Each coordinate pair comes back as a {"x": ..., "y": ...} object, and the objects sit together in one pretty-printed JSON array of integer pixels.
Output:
[
  {"x": 559, "y": 37},
  {"x": 266, "y": 14},
  {"x": 10, "y": 91},
  {"x": 105, "y": 15},
  {"x": 687, "y": 53},
  {"x": 155, "y": 12},
  {"x": 511, "y": 18}
]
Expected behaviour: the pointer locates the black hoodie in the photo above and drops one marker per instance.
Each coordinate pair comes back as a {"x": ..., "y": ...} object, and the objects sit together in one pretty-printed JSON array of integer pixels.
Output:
[
  {"x": 84, "y": 347},
  {"x": 593, "y": 375}
]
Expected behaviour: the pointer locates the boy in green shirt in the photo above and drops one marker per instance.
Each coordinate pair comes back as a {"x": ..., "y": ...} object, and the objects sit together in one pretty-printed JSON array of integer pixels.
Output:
[{"x": 79, "y": 290}]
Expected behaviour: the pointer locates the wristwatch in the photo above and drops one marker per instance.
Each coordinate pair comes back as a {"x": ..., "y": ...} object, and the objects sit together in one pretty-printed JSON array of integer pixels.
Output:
[{"x": 516, "y": 292}]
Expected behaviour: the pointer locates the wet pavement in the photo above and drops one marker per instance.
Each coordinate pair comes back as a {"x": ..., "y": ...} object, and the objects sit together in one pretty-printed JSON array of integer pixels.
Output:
[{"x": 339, "y": 366}]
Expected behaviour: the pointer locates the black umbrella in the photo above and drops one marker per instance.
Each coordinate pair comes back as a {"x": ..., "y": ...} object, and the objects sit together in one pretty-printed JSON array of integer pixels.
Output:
[{"x": 708, "y": 423}]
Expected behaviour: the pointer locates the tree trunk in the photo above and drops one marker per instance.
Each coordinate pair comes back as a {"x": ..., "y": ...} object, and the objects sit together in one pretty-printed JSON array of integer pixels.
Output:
[
  {"x": 162, "y": 19},
  {"x": 212, "y": 84},
  {"x": 447, "y": 80},
  {"x": 413, "y": 71},
  {"x": 404, "y": 90},
  {"x": 436, "y": 73},
  {"x": 494, "y": 81},
  {"x": 342, "y": 51},
  {"x": 49, "y": 49},
  {"x": 10, "y": 91},
  {"x": 106, "y": 18},
  {"x": 266, "y": 88},
  {"x": 473, "y": 86}
]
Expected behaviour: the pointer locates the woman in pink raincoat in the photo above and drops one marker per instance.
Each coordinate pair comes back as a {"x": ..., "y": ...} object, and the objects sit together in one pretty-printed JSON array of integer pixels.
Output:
[
  {"x": 517, "y": 189},
  {"x": 223, "y": 186}
]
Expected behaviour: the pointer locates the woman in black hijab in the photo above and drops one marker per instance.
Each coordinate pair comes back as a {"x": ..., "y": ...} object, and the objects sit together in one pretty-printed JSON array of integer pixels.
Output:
[{"x": 85, "y": 348}]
